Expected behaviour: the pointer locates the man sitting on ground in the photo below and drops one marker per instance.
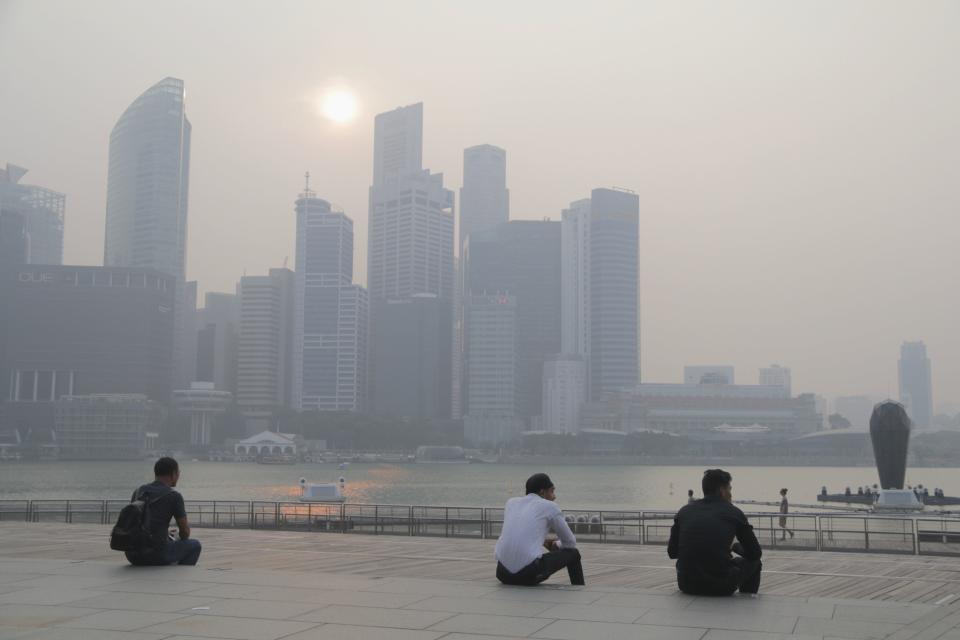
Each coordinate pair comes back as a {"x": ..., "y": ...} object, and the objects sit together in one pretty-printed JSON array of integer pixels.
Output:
[
  {"x": 164, "y": 503},
  {"x": 702, "y": 538},
  {"x": 526, "y": 523}
]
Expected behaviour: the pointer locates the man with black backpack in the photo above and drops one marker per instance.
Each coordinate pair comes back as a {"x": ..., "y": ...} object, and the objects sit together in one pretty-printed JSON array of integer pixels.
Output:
[{"x": 147, "y": 542}]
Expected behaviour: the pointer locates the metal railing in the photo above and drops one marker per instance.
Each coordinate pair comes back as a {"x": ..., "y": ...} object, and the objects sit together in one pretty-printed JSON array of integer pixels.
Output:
[{"x": 866, "y": 533}]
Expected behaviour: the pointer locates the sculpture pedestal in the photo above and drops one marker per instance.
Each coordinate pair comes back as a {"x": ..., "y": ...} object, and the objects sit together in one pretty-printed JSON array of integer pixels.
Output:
[{"x": 897, "y": 500}]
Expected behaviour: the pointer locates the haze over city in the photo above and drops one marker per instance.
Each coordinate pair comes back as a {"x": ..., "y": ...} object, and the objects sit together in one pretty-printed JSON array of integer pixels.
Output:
[{"x": 796, "y": 164}]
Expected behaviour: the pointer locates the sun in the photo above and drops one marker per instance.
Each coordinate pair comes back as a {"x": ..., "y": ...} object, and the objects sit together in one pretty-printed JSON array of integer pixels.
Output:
[{"x": 338, "y": 106}]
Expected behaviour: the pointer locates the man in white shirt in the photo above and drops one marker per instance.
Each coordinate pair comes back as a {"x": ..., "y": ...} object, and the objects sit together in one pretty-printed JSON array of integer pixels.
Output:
[{"x": 526, "y": 523}]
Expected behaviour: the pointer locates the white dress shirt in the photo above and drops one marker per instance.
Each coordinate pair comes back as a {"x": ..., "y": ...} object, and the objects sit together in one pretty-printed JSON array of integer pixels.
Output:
[{"x": 526, "y": 522}]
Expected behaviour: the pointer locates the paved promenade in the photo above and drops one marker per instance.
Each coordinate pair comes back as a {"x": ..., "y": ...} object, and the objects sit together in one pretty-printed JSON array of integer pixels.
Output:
[{"x": 61, "y": 581}]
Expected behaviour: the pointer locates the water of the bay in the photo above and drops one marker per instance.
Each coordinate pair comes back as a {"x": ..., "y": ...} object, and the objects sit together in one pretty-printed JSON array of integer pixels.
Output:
[{"x": 489, "y": 485}]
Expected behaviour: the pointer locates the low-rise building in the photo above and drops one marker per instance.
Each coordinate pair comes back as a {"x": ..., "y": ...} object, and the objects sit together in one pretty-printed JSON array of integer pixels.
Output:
[{"x": 104, "y": 426}]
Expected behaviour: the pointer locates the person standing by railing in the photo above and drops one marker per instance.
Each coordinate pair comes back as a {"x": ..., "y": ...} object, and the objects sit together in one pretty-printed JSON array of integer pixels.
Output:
[
  {"x": 784, "y": 509},
  {"x": 526, "y": 523}
]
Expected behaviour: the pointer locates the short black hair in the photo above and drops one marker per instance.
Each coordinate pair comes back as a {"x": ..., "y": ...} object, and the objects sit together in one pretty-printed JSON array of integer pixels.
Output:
[
  {"x": 713, "y": 480},
  {"x": 538, "y": 482},
  {"x": 165, "y": 466}
]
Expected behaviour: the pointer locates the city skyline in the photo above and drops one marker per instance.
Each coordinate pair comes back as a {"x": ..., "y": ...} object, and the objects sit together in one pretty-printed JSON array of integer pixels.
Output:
[{"x": 733, "y": 287}]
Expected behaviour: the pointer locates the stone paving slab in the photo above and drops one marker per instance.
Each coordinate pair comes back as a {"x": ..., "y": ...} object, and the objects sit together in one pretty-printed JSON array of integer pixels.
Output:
[{"x": 71, "y": 598}]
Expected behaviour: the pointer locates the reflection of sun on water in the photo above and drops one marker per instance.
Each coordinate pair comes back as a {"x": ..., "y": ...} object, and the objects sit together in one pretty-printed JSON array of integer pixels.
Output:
[{"x": 378, "y": 478}]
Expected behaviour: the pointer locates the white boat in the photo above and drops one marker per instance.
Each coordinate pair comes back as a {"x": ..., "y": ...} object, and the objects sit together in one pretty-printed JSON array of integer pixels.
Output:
[{"x": 329, "y": 492}]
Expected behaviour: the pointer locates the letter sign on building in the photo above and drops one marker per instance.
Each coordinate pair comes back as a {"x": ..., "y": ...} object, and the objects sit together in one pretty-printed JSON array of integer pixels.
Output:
[{"x": 29, "y": 276}]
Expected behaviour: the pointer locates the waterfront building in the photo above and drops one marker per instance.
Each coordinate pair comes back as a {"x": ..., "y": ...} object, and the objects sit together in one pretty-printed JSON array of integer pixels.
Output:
[
  {"x": 202, "y": 402},
  {"x": 564, "y": 392},
  {"x": 709, "y": 374},
  {"x": 484, "y": 197},
  {"x": 916, "y": 388},
  {"x": 600, "y": 317},
  {"x": 268, "y": 443},
  {"x": 88, "y": 330},
  {"x": 409, "y": 261},
  {"x": 218, "y": 332},
  {"x": 43, "y": 215},
  {"x": 265, "y": 347},
  {"x": 490, "y": 358},
  {"x": 706, "y": 412},
  {"x": 522, "y": 258},
  {"x": 331, "y": 315},
  {"x": 777, "y": 376},
  {"x": 104, "y": 426}
]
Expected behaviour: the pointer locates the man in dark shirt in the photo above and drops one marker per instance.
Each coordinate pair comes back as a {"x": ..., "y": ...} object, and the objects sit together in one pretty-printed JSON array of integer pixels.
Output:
[
  {"x": 164, "y": 503},
  {"x": 702, "y": 538}
]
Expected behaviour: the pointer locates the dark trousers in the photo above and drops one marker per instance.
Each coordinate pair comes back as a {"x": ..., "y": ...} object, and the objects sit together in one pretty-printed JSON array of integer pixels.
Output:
[
  {"x": 544, "y": 567},
  {"x": 743, "y": 575},
  {"x": 185, "y": 552}
]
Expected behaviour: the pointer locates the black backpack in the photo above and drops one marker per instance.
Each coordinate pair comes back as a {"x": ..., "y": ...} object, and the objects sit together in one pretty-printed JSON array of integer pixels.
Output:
[{"x": 130, "y": 532}]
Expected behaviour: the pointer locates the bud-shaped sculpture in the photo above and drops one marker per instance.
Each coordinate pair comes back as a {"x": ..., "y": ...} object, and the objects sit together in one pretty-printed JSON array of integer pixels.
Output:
[{"x": 890, "y": 433}]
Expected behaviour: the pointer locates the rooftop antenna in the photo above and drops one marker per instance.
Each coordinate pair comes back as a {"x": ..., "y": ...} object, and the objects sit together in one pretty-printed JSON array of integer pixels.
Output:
[{"x": 306, "y": 189}]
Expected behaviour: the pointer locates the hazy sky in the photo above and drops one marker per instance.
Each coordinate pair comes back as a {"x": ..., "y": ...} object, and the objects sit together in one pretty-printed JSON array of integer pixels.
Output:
[{"x": 798, "y": 164}]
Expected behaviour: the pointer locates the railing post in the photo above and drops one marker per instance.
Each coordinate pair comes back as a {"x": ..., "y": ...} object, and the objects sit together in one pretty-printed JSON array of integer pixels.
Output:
[
  {"x": 866, "y": 535},
  {"x": 914, "y": 528},
  {"x": 643, "y": 528}
]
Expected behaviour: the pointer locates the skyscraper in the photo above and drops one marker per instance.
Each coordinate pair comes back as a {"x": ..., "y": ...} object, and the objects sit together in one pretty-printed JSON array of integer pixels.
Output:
[
  {"x": 147, "y": 185},
  {"x": 147, "y": 182},
  {"x": 330, "y": 347},
  {"x": 410, "y": 255},
  {"x": 564, "y": 392},
  {"x": 265, "y": 348},
  {"x": 916, "y": 391},
  {"x": 600, "y": 317},
  {"x": 218, "y": 330},
  {"x": 484, "y": 197},
  {"x": 42, "y": 210},
  {"x": 614, "y": 291},
  {"x": 490, "y": 355},
  {"x": 521, "y": 258}
]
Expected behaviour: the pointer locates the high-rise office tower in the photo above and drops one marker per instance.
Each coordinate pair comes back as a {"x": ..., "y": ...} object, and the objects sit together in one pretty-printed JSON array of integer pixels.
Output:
[
  {"x": 600, "y": 317},
  {"x": 147, "y": 182},
  {"x": 218, "y": 330},
  {"x": 484, "y": 197},
  {"x": 916, "y": 389},
  {"x": 776, "y": 376},
  {"x": 564, "y": 392},
  {"x": 147, "y": 186},
  {"x": 265, "y": 347},
  {"x": 490, "y": 357},
  {"x": 42, "y": 211},
  {"x": 330, "y": 347},
  {"x": 522, "y": 258},
  {"x": 410, "y": 256}
]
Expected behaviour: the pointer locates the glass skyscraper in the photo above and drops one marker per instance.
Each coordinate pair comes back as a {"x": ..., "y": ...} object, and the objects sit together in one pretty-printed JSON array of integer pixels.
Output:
[
  {"x": 147, "y": 183},
  {"x": 330, "y": 349}
]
